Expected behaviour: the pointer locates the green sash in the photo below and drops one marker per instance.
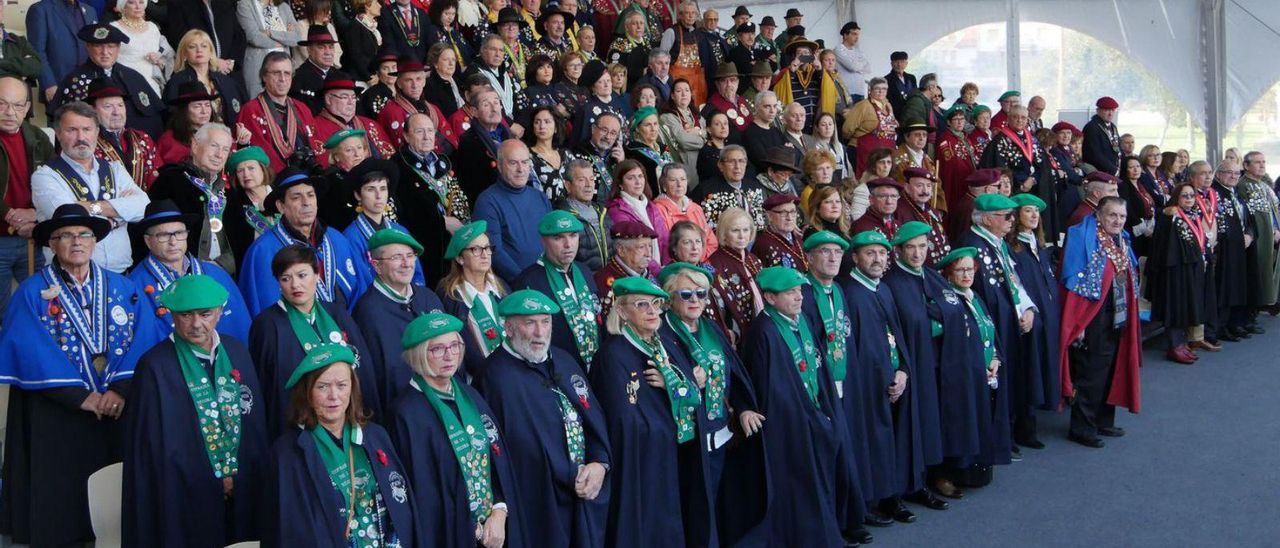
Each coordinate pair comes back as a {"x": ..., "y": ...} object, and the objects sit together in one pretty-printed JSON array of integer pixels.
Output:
[
  {"x": 323, "y": 330},
  {"x": 491, "y": 334},
  {"x": 578, "y": 305},
  {"x": 682, "y": 393},
  {"x": 707, "y": 352},
  {"x": 803, "y": 351},
  {"x": 352, "y": 474},
  {"x": 218, "y": 410},
  {"x": 986, "y": 327},
  {"x": 573, "y": 435},
  {"x": 835, "y": 321},
  {"x": 470, "y": 442}
]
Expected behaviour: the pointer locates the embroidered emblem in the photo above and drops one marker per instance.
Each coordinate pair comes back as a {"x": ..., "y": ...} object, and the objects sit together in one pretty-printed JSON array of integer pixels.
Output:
[
  {"x": 118, "y": 315},
  {"x": 246, "y": 400},
  {"x": 398, "y": 490},
  {"x": 144, "y": 99}
]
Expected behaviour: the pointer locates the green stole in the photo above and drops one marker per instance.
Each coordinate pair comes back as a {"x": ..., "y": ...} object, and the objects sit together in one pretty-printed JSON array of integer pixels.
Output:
[
  {"x": 835, "y": 321},
  {"x": 491, "y": 334},
  {"x": 218, "y": 409},
  {"x": 578, "y": 306},
  {"x": 707, "y": 352},
  {"x": 803, "y": 350},
  {"x": 986, "y": 327},
  {"x": 314, "y": 329},
  {"x": 352, "y": 474},
  {"x": 895, "y": 359},
  {"x": 470, "y": 442},
  {"x": 682, "y": 394}
]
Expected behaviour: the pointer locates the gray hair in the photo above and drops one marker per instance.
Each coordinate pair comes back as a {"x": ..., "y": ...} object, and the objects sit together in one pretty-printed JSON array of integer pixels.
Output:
[
  {"x": 206, "y": 131},
  {"x": 656, "y": 54},
  {"x": 1249, "y": 156},
  {"x": 765, "y": 95},
  {"x": 1198, "y": 165},
  {"x": 1112, "y": 201},
  {"x": 1095, "y": 186},
  {"x": 877, "y": 81},
  {"x": 576, "y": 164},
  {"x": 79, "y": 108},
  {"x": 669, "y": 169},
  {"x": 1227, "y": 164},
  {"x": 734, "y": 148},
  {"x": 1018, "y": 109}
]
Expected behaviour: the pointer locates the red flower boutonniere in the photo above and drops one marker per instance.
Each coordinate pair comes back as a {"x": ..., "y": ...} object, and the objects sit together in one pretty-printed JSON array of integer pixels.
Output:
[
  {"x": 150, "y": 289},
  {"x": 496, "y": 452},
  {"x": 585, "y": 403},
  {"x": 490, "y": 333},
  {"x": 382, "y": 457},
  {"x": 54, "y": 309},
  {"x": 831, "y": 337},
  {"x": 161, "y": 311},
  {"x": 803, "y": 366},
  {"x": 345, "y": 338},
  {"x": 235, "y": 374}
]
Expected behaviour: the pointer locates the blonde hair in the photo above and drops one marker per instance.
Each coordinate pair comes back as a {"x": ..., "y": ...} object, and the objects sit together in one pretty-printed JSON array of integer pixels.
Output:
[
  {"x": 613, "y": 322},
  {"x": 731, "y": 216},
  {"x": 698, "y": 278},
  {"x": 451, "y": 284},
  {"x": 187, "y": 39},
  {"x": 417, "y": 356}
]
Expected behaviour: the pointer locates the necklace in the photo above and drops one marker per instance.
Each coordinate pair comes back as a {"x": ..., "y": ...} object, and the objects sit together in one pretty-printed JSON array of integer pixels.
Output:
[{"x": 139, "y": 24}]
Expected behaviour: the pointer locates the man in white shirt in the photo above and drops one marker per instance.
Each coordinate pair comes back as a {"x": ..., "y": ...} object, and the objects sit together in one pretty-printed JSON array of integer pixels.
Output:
[
  {"x": 104, "y": 188},
  {"x": 853, "y": 66}
]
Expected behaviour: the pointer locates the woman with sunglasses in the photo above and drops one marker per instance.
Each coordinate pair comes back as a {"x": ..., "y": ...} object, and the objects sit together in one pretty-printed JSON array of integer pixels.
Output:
[
  {"x": 1177, "y": 279},
  {"x": 471, "y": 291},
  {"x": 651, "y": 395}
]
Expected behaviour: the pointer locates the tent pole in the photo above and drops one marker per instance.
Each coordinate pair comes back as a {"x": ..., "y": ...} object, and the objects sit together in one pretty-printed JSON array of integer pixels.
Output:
[
  {"x": 1213, "y": 46},
  {"x": 1013, "y": 45}
]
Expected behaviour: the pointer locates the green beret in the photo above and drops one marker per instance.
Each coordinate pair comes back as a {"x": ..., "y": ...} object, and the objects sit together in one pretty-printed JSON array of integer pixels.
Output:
[
  {"x": 527, "y": 302},
  {"x": 342, "y": 135},
  {"x": 1024, "y": 200},
  {"x": 635, "y": 285},
  {"x": 559, "y": 222},
  {"x": 777, "y": 279},
  {"x": 464, "y": 236},
  {"x": 428, "y": 326},
  {"x": 979, "y": 109},
  {"x": 870, "y": 237},
  {"x": 195, "y": 292},
  {"x": 392, "y": 236},
  {"x": 953, "y": 110},
  {"x": 824, "y": 237},
  {"x": 320, "y": 357},
  {"x": 245, "y": 154},
  {"x": 670, "y": 270},
  {"x": 993, "y": 202},
  {"x": 1010, "y": 93},
  {"x": 957, "y": 253},
  {"x": 910, "y": 230},
  {"x": 640, "y": 115}
]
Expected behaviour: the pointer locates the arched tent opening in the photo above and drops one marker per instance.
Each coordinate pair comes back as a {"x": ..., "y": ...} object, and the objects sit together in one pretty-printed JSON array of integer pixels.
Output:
[{"x": 1259, "y": 127}]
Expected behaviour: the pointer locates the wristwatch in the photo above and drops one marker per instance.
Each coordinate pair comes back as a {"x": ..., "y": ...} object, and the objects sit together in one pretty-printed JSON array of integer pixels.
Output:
[{"x": 95, "y": 209}]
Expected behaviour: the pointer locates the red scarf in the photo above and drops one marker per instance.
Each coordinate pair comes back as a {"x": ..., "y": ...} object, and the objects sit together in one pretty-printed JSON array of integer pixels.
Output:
[
  {"x": 1024, "y": 146},
  {"x": 283, "y": 141}
]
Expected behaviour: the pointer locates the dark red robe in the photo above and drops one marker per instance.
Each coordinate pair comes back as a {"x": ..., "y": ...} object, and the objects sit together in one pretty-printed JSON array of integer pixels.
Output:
[{"x": 1077, "y": 312}]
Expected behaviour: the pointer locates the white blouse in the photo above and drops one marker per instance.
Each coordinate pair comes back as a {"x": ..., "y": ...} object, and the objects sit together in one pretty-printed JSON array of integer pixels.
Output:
[{"x": 134, "y": 54}]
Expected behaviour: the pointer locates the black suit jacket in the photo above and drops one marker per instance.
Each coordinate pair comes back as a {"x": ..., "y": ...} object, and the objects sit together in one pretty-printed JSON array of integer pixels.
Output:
[
  {"x": 476, "y": 168},
  {"x": 307, "y": 81},
  {"x": 426, "y": 222},
  {"x": 899, "y": 90},
  {"x": 185, "y": 15},
  {"x": 393, "y": 33}
]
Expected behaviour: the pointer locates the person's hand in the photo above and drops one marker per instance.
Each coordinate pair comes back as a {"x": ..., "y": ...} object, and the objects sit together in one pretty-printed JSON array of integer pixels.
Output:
[
  {"x": 561, "y": 111},
  {"x": 49, "y": 92},
  {"x": 654, "y": 378},
  {"x": 452, "y": 224},
  {"x": 242, "y": 135},
  {"x": 1248, "y": 240},
  {"x": 20, "y": 216},
  {"x": 700, "y": 376},
  {"x": 25, "y": 230},
  {"x": 228, "y": 487},
  {"x": 1027, "y": 184},
  {"x": 153, "y": 58},
  {"x": 590, "y": 479},
  {"x": 898, "y": 387},
  {"x": 617, "y": 153},
  {"x": 994, "y": 369},
  {"x": 90, "y": 404},
  {"x": 751, "y": 422},
  {"x": 1027, "y": 321},
  {"x": 493, "y": 533},
  {"x": 111, "y": 404}
]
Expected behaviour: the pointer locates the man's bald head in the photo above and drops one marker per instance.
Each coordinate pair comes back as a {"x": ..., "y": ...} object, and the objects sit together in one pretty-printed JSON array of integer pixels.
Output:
[{"x": 15, "y": 101}]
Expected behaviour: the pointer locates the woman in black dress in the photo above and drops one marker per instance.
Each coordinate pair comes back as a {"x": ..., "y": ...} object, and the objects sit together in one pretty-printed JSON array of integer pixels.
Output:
[
  {"x": 545, "y": 137},
  {"x": 443, "y": 28},
  {"x": 1177, "y": 275}
]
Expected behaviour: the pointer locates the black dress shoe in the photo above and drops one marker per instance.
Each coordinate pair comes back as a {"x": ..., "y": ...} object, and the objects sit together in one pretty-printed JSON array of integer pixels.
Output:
[
  {"x": 1111, "y": 431},
  {"x": 898, "y": 511},
  {"x": 926, "y": 498},
  {"x": 1229, "y": 337},
  {"x": 876, "y": 519},
  {"x": 1241, "y": 332},
  {"x": 858, "y": 536},
  {"x": 1033, "y": 443},
  {"x": 1087, "y": 441}
]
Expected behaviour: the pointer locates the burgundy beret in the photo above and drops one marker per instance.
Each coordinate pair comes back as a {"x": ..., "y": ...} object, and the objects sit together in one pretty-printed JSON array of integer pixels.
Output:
[
  {"x": 1066, "y": 125},
  {"x": 1107, "y": 103},
  {"x": 884, "y": 181},
  {"x": 780, "y": 199},
  {"x": 1102, "y": 176},
  {"x": 982, "y": 177},
  {"x": 631, "y": 229},
  {"x": 913, "y": 172}
]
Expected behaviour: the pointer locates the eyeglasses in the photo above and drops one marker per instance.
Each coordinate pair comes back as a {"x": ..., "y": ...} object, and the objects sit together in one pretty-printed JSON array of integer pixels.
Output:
[
  {"x": 1187, "y": 195},
  {"x": 479, "y": 249},
  {"x": 398, "y": 258},
  {"x": 689, "y": 295},
  {"x": 964, "y": 270},
  {"x": 438, "y": 351},
  {"x": 343, "y": 96},
  {"x": 828, "y": 251},
  {"x": 5, "y": 105},
  {"x": 785, "y": 213},
  {"x": 166, "y": 237},
  {"x": 72, "y": 236},
  {"x": 1006, "y": 216},
  {"x": 647, "y": 305},
  {"x": 885, "y": 196}
]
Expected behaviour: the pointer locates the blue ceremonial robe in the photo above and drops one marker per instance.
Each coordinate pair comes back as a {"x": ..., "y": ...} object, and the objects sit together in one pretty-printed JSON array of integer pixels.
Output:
[
  {"x": 811, "y": 482},
  {"x": 972, "y": 413},
  {"x": 439, "y": 489},
  {"x": 535, "y": 277},
  {"x": 169, "y": 486},
  {"x": 52, "y": 446},
  {"x": 358, "y": 234},
  {"x": 661, "y": 494},
  {"x": 990, "y": 286},
  {"x": 382, "y": 322},
  {"x": 473, "y": 360},
  {"x": 891, "y": 430},
  {"x": 527, "y": 411},
  {"x": 277, "y": 352},
  {"x": 917, "y": 299},
  {"x": 151, "y": 274},
  {"x": 340, "y": 276},
  {"x": 303, "y": 504},
  {"x": 1040, "y": 385}
]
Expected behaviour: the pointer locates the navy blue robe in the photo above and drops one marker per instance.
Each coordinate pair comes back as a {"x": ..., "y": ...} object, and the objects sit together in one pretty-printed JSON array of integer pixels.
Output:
[
  {"x": 439, "y": 490},
  {"x": 891, "y": 430},
  {"x": 661, "y": 493},
  {"x": 916, "y": 297},
  {"x": 473, "y": 359},
  {"x": 535, "y": 277},
  {"x": 169, "y": 486},
  {"x": 277, "y": 352},
  {"x": 528, "y": 413},
  {"x": 811, "y": 480},
  {"x": 972, "y": 414},
  {"x": 303, "y": 504},
  {"x": 235, "y": 315},
  {"x": 1040, "y": 385},
  {"x": 988, "y": 284},
  {"x": 382, "y": 322}
]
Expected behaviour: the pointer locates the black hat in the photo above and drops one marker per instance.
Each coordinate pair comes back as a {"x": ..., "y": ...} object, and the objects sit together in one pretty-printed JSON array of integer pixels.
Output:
[
  {"x": 898, "y": 56},
  {"x": 746, "y": 27},
  {"x": 553, "y": 8},
  {"x": 70, "y": 215},
  {"x": 290, "y": 177},
  {"x": 793, "y": 13},
  {"x": 781, "y": 157},
  {"x": 767, "y": 22},
  {"x": 385, "y": 56},
  {"x": 190, "y": 92},
  {"x": 102, "y": 33},
  {"x": 591, "y": 73},
  {"x": 366, "y": 170},
  {"x": 101, "y": 88},
  {"x": 163, "y": 211},
  {"x": 851, "y": 25},
  {"x": 317, "y": 35},
  {"x": 507, "y": 15},
  {"x": 742, "y": 10}
]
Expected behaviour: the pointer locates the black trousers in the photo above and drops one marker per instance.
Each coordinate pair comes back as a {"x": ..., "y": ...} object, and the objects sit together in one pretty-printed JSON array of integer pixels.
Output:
[{"x": 1093, "y": 362}]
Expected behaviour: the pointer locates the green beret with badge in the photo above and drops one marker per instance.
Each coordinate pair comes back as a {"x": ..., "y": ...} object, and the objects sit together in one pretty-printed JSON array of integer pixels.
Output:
[
  {"x": 320, "y": 357},
  {"x": 777, "y": 279},
  {"x": 342, "y": 135},
  {"x": 913, "y": 229},
  {"x": 465, "y": 235},
  {"x": 670, "y": 270},
  {"x": 1011, "y": 93},
  {"x": 993, "y": 202},
  {"x": 246, "y": 154},
  {"x": 194, "y": 292},
  {"x": 635, "y": 285},
  {"x": 527, "y": 302},
  {"x": 1024, "y": 200},
  {"x": 387, "y": 236},
  {"x": 822, "y": 237},
  {"x": 957, "y": 253},
  {"x": 559, "y": 222},
  {"x": 870, "y": 237},
  {"x": 428, "y": 326}
]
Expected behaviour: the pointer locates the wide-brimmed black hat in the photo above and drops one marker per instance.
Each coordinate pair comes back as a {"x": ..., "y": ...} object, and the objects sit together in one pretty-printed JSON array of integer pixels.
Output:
[
  {"x": 553, "y": 8},
  {"x": 317, "y": 35},
  {"x": 368, "y": 169},
  {"x": 70, "y": 215},
  {"x": 190, "y": 92},
  {"x": 101, "y": 88},
  {"x": 385, "y": 56},
  {"x": 740, "y": 11},
  {"x": 798, "y": 41},
  {"x": 781, "y": 157},
  {"x": 592, "y": 72},
  {"x": 793, "y": 12},
  {"x": 290, "y": 177},
  {"x": 508, "y": 15},
  {"x": 163, "y": 211}
]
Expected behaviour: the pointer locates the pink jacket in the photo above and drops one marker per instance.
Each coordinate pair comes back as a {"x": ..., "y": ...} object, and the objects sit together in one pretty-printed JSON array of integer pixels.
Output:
[
  {"x": 619, "y": 211},
  {"x": 671, "y": 214}
]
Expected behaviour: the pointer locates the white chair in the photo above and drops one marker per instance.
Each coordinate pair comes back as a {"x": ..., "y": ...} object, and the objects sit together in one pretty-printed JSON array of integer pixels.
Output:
[
  {"x": 105, "y": 500},
  {"x": 48, "y": 131},
  {"x": 245, "y": 544}
]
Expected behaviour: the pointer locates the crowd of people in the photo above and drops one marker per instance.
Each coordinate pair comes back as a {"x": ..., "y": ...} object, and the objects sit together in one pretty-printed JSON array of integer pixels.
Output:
[{"x": 335, "y": 273}]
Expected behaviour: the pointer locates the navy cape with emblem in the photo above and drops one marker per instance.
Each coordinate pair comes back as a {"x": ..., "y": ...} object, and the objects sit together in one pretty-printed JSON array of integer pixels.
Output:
[
  {"x": 260, "y": 288},
  {"x": 972, "y": 413},
  {"x": 527, "y": 411},
  {"x": 303, "y": 504},
  {"x": 917, "y": 304},
  {"x": 989, "y": 286},
  {"x": 235, "y": 315},
  {"x": 382, "y": 322},
  {"x": 277, "y": 352},
  {"x": 439, "y": 490},
  {"x": 169, "y": 486},
  {"x": 1041, "y": 383},
  {"x": 358, "y": 234},
  {"x": 660, "y": 489},
  {"x": 812, "y": 490},
  {"x": 535, "y": 277}
]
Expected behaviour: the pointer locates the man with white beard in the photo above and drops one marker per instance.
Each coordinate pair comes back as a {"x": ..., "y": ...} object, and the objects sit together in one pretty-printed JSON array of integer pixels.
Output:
[{"x": 557, "y": 442}]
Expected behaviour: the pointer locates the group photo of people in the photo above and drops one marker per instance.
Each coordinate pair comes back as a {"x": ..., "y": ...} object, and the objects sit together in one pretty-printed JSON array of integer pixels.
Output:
[{"x": 551, "y": 273}]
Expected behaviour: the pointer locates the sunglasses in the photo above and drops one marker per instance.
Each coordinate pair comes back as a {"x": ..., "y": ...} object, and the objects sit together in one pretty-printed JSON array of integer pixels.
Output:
[{"x": 688, "y": 295}]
